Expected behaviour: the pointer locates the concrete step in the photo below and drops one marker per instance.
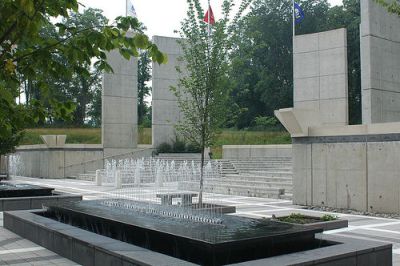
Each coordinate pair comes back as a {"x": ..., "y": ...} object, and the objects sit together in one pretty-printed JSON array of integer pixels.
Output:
[
  {"x": 258, "y": 178},
  {"x": 288, "y": 186},
  {"x": 236, "y": 190},
  {"x": 87, "y": 177},
  {"x": 268, "y": 173}
]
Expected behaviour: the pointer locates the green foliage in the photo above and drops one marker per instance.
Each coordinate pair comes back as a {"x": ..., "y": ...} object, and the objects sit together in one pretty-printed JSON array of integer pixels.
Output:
[
  {"x": 26, "y": 53},
  {"x": 298, "y": 218},
  {"x": 329, "y": 217},
  {"x": 178, "y": 146},
  {"x": 203, "y": 91},
  {"x": 391, "y": 6},
  {"x": 144, "y": 90},
  {"x": 164, "y": 148},
  {"x": 262, "y": 67},
  {"x": 265, "y": 122}
]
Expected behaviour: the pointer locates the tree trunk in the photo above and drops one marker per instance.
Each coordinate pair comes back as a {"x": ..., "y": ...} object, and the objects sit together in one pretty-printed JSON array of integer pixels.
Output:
[{"x": 201, "y": 176}]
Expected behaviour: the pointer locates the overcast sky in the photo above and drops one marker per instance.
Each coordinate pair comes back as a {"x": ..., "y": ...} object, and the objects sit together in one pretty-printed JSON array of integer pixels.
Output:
[{"x": 161, "y": 17}]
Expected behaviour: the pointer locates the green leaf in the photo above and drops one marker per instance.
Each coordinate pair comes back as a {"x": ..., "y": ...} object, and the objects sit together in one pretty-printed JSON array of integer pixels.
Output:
[{"x": 141, "y": 41}]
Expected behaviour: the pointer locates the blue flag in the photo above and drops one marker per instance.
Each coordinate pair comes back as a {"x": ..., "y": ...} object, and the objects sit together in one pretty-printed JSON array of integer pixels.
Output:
[{"x": 298, "y": 13}]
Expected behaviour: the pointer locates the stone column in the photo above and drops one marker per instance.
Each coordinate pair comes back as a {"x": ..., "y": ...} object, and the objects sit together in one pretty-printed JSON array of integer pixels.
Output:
[
  {"x": 380, "y": 64},
  {"x": 165, "y": 110},
  {"x": 119, "y": 106},
  {"x": 320, "y": 76}
]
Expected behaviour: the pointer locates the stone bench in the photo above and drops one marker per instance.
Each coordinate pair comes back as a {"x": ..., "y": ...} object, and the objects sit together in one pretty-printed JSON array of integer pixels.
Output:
[{"x": 166, "y": 198}]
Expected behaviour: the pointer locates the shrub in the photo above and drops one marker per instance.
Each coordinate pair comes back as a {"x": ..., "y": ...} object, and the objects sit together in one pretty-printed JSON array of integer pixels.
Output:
[{"x": 164, "y": 148}]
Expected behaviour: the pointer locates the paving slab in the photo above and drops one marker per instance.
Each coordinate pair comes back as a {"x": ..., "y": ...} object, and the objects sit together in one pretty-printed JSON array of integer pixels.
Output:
[{"x": 361, "y": 227}]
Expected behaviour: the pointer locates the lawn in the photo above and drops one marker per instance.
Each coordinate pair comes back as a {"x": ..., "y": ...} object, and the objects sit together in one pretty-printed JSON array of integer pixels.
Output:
[{"x": 93, "y": 136}]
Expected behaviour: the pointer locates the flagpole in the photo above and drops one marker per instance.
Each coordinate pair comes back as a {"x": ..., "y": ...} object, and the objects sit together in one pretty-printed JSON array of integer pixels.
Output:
[{"x": 294, "y": 19}]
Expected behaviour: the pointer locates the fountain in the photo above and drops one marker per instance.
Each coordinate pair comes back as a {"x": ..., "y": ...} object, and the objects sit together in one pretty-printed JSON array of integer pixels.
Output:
[
  {"x": 15, "y": 196},
  {"x": 148, "y": 220}
]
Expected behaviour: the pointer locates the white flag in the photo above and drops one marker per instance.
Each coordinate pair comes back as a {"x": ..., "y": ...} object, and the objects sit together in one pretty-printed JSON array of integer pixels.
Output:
[{"x": 130, "y": 9}]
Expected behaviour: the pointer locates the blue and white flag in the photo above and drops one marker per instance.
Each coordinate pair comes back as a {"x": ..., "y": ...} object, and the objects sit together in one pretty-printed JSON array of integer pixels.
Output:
[
  {"x": 130, "y": 9},
  {"x": 298, "y": 13}
]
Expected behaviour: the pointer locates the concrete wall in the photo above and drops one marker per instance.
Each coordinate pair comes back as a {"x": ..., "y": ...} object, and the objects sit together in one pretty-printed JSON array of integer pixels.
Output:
[
  {"x": 320, "y": 75},
  {"x": 3, "y": 165},
  {"x": 41, "y": 161},
  {"x": 119, "y": 105},
  {"x": 354, "y": 167},
  {"x": 380, "y": 64},
  {"x": 165, "y": 110},
  {"x": 256, "y": 151}
]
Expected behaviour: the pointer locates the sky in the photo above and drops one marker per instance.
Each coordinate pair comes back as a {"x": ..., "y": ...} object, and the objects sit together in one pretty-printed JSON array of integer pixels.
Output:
[{"x": 161, "y": 17}]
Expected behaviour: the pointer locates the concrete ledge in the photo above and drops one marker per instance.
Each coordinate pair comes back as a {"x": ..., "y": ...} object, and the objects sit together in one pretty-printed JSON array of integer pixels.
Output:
[
  {"x": 88, "y": 248},
  {"x": 256, "y": 151},
  {"x": 82, "y": 246},
  {"x": 28, "y": 203}
]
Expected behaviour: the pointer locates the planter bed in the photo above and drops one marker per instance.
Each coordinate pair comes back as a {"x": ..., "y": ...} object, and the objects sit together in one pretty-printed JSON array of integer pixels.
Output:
[
  {"x": 88, "y": 248},
  {"x": 315, "y": 222}
]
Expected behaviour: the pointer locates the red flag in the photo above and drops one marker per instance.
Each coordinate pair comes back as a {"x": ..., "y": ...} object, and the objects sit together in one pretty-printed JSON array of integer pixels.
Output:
[{"x": 212, "y": 19}]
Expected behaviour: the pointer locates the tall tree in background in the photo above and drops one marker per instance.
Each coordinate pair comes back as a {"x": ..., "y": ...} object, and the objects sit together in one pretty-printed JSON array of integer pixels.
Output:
[
  {"x": 262, "y": 61},
  {"x": 27, "y": 54},
  {"x": 144, "y": 90},
  {"x": 202, "y": 92}
]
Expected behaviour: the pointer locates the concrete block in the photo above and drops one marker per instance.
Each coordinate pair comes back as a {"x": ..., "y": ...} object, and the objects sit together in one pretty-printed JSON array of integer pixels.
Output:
[
  {"x": 120, "y": 85},
  {"x": 384, "y": 177},
  {"x": 334, "y": 112},
  {"x": 166, "y": 112},
  {"x": 332, "y": 39},
  {"x": 302, "y": 174},
  {"x": 319, "y": 174},
  {"x": 306, "y": 43},
  {"x": 119, "y": 136},
  {"x": 347, "y": 166},
  {"x": 333, "y": 86},
  {"x": 306, "y": 65},
  {"x": 379, "y": 64},
  {"x": 307, "y": 89},
  {"x": 120, "y": 110},
  {"x": 333, "y": 61}
]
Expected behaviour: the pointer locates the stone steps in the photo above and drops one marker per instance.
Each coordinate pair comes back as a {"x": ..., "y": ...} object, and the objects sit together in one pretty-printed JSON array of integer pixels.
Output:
[
  {"x": 248, "y": 191},
  {"x": 246, "y": 183},
  {"x": 258, "y": 178}
]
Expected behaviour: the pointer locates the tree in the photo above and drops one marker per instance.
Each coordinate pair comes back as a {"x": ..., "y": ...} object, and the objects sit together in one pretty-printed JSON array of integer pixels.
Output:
[
  {"x": 391, "y": 6},
  {"x": 203, "y": 90},
  {"x": 144, "y": 90},
  {"x": 26, "y": 54},
  {"x": 262, "y": 67}
]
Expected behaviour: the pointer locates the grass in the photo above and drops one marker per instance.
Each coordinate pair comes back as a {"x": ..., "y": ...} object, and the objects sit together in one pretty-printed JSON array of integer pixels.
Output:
[
  {"x": 76, "y": 135},
  {"x": 93, "y": 136},
  {"x": 298, "y": 218},
  {"x": 230, "y": 137}
]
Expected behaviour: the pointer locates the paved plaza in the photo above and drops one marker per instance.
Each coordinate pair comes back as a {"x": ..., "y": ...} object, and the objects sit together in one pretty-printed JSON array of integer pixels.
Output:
[{"x": 15, "y": 250}]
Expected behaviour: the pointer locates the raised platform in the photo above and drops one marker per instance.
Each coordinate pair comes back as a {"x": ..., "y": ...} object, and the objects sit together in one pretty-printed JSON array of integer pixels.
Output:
[{"x": 88, "y": 248}]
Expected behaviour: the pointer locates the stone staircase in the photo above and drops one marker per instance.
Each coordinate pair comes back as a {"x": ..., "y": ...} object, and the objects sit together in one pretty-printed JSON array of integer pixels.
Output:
[{"x": 253, "y": 177}]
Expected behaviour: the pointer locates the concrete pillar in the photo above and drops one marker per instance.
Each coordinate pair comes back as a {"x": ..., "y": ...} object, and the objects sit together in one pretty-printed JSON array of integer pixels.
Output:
[
  {"x": 165, "y": 110},
  {"x": 119, "y": 106},
  {"x": 99, "y": 178},
  {"x": 118, "y": 179},
  {"x": 320, "y": 76},
  {"x": 380, "y": 64}
]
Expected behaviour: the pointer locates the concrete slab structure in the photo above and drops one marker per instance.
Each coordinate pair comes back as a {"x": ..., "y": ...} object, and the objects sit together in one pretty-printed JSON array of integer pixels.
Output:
[
  {"x": 320, "y": 76},
  {"x": 119, "y": 106},
  {"x": 352, "y": 167},
  {"x": 380, "y": 64},
  {"x": 165, "y": 108}
]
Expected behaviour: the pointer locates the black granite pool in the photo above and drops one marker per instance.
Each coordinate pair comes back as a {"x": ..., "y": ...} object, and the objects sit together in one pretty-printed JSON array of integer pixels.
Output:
[
  {"x": 8, "y": 190},
  {"x": 236, "y": 239}
]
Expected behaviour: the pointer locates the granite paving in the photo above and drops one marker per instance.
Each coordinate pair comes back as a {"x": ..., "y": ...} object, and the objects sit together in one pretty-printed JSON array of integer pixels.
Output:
[{"x": 15, "y": 250}]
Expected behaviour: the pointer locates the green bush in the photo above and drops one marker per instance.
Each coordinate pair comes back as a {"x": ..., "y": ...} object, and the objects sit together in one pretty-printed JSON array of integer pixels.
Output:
[{"x": 164, "y": 148}]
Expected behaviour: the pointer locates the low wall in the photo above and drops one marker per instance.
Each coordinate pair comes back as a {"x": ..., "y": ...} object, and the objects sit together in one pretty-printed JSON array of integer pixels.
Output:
[
  {"x": 352, "y": 167},
  {"x": 255, "y": 151},
  {"x": 69, "y": 160},
  {"x": 3, "y": 165}
]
